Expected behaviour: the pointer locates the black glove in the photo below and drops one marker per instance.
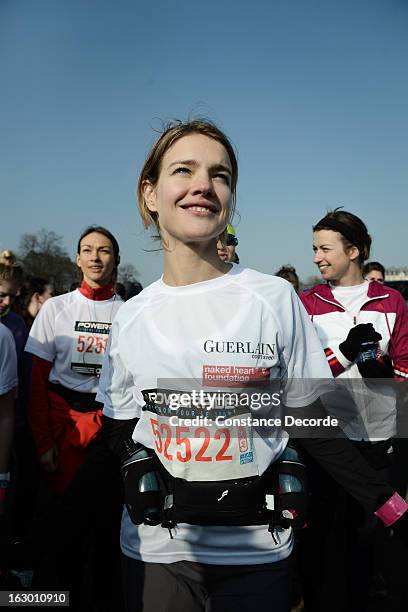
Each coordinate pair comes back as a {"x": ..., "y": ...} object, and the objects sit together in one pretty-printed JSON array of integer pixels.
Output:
[
  {"x": 375, "y": 368},
  {"x": 364, "y": 332}
]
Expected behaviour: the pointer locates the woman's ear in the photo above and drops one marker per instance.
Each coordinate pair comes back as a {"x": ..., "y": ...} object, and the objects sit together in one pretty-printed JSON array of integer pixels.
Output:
[
  {"x": 149, "y": 195},
  {"x": 354, "y": 253}
]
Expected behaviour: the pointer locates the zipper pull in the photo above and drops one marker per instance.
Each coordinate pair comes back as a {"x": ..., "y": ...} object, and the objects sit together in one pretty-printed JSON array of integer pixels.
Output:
[{"x": 354, "y": 320}]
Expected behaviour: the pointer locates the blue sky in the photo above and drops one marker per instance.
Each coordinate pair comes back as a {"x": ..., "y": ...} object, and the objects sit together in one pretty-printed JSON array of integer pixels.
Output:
[{"x": 314, "y": 95}]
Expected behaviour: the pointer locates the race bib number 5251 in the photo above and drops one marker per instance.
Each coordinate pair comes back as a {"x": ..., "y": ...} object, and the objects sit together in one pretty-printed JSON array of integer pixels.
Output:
[{"x": 89, "y": 346}]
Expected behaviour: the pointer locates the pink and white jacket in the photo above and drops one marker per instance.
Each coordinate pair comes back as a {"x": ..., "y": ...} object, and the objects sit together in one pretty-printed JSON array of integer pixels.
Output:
[{"x": 386, "y": 310}]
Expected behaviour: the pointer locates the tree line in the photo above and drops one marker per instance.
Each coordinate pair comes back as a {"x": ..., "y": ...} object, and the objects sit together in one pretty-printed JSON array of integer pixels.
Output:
[{"x": 43, "y": 254}]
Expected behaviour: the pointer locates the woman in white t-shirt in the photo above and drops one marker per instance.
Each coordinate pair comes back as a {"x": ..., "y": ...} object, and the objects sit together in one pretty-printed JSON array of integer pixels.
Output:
[
  {"x": 207, "y": 326},
  {"x": 68, "y": 340},
  {"x": 363, "y": 328}
]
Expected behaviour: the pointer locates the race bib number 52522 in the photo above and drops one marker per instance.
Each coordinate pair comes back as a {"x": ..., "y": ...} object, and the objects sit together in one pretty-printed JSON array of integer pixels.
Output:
[{"x": 204, "y": 452}]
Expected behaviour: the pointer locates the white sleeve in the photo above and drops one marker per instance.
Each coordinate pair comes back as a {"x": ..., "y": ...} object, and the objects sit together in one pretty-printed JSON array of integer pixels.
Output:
[
  {"x": 116, "y": 387},
  {"x": 8, "y": 361},
  {"x": 303, "y": 362},
  {"x": 41, "y": 341}
]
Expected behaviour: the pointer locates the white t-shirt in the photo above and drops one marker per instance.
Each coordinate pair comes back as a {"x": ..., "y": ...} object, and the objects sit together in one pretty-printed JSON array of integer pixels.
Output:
[
  {"x": 352, "y": 298},
  {"x": 72, "y": 332},
  {"x": 216, "y": 334},
  {"x": 8, "y": 361}
]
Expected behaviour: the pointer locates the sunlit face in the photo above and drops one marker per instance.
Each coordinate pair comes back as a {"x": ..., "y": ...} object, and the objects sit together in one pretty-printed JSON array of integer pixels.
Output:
[
  {"x": 330, "y": 256},
  {"x": 193, "y": 194},
  {"x": 226, "y": 252},
  {"x": 96, "y": 259},
  {"x": 375, "y": 275},
  {"x": 9, "y": 290}
]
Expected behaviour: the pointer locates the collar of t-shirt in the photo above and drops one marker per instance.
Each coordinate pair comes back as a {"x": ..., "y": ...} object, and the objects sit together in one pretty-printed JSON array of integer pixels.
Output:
[
  {"x": 352, "y": 298},
  {"x": 98, "y": 294}
]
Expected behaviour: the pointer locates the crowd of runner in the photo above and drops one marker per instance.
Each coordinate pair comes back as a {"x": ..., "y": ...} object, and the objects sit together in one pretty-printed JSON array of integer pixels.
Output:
[{"x": 118, "y": 485}]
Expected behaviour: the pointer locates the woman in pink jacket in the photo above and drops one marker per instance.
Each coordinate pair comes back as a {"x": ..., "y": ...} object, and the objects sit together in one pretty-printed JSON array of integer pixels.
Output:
[{"x": 363, "y": 328}]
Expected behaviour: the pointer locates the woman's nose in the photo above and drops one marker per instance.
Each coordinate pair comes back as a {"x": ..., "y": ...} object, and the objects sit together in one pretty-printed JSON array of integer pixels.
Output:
[{"x": 202, "y": 184}]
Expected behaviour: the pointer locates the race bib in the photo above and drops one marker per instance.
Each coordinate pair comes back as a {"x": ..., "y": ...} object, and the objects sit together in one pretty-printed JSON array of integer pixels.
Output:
[
  {"x": 200, "y": 445},
  {"x": 89, "y": 346}
]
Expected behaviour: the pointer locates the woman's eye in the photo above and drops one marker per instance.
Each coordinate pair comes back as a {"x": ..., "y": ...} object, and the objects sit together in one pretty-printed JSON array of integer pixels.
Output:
[
  {"x": 223, "y": 177},
  {"x": 181, "y": 170}
]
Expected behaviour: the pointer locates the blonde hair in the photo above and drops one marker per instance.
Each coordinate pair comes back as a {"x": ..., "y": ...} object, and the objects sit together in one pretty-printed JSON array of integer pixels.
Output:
[
  {"x": 10, "y": 270},
  {"x": 152, "y": 166}
]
